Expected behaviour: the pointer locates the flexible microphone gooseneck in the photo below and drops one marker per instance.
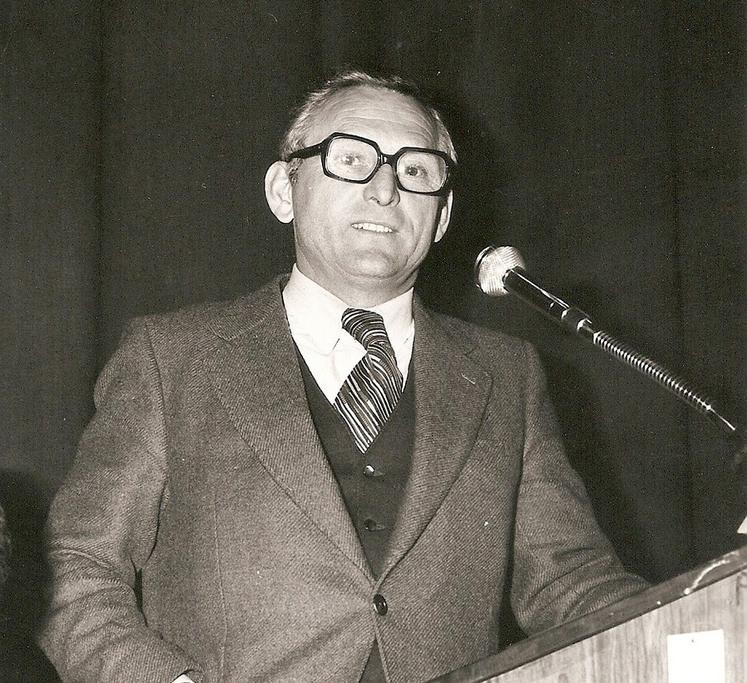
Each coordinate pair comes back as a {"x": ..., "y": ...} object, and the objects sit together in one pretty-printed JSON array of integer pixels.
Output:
[{"x": 501, "y": 270}]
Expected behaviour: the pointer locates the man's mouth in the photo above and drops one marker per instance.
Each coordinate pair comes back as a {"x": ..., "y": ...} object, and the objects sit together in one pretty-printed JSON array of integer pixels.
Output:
[{"x": 373, "y": 227}]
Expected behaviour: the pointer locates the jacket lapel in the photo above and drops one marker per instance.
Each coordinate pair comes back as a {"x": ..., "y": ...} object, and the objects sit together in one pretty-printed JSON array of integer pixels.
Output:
[
  {"x": 451, "y": 393},
  {"x": 256, "y": 374}
]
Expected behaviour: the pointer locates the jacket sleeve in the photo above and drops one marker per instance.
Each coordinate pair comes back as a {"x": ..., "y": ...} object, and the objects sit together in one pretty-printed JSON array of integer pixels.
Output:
[
  {"x": 564, "y": 566},
  {"x": 102, "y": 528}
]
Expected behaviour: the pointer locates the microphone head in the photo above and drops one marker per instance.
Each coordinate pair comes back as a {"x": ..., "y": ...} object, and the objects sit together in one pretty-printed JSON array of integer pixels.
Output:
[{"x": 491, "y": 266}]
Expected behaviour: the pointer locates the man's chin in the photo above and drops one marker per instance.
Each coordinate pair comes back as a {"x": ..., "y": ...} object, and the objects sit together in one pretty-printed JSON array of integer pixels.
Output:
[{"x": 374, "y": 269}]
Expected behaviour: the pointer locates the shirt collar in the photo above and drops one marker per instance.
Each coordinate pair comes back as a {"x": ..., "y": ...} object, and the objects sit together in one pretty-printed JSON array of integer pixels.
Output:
[{"x": 315, "y": 314}]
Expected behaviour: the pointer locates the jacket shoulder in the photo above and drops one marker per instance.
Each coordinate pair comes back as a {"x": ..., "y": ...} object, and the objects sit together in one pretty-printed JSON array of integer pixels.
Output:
[
  {"x": 481, "y": 339},
  {"x": 202, "y": 324},
  {"x": 171, "y": 344}
]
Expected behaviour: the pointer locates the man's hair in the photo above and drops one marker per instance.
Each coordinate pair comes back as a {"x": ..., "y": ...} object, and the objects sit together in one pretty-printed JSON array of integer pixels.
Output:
[{"x": 295, "y": 137}]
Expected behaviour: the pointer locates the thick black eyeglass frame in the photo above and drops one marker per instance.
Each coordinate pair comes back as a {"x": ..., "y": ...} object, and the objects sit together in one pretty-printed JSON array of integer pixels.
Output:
[{"x": 391, "y": 159}]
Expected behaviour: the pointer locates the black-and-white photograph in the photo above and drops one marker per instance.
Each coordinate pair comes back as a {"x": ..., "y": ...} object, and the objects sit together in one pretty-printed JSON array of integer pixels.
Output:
[{"x": 373, "y": 341}]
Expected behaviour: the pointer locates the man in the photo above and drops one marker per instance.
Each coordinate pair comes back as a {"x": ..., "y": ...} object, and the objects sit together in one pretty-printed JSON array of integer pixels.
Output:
[{"x": 287, "y": 487}]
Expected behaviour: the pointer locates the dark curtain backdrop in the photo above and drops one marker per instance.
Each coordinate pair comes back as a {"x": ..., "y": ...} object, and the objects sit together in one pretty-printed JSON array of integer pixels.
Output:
[{"x": 605, "y": 139}]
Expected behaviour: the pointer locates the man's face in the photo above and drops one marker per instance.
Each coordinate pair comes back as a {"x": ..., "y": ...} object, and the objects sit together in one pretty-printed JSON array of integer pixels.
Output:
[{"x": 365, "y": 242}]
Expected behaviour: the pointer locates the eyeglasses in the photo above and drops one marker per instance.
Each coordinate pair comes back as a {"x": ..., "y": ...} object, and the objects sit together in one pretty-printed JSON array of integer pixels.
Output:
[{"x": 354, "y": 159}]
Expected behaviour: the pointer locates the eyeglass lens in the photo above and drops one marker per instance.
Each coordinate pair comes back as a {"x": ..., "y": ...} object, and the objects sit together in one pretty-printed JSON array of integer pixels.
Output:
[{"x": 356, "y": 160}]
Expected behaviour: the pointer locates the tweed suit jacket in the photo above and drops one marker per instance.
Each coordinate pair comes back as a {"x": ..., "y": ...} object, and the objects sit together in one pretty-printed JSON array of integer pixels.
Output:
[{"x": 201, "y": 528}]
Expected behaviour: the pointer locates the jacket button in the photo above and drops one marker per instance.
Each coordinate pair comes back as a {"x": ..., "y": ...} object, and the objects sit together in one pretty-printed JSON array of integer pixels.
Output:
[
  {"x": 372, "y": 525},
  {"x": 371, "y": 471},
  {"x": 379, "y": 603}
]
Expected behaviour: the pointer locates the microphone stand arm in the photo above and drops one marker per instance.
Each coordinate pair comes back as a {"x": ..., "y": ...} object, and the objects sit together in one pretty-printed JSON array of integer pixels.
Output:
[{"x": 578, "y": 322}]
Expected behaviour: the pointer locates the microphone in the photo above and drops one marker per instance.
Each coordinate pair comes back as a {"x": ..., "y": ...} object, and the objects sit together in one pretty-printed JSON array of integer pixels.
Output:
[{"x": 501, "y": 270}]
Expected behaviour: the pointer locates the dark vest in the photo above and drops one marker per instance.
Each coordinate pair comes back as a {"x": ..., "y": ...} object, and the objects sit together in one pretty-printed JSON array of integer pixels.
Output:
[{"x": 372, "y": 483}]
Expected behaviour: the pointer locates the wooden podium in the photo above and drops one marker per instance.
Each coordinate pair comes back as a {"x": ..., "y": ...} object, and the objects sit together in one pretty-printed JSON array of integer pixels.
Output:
[{"x": 692, "y": 628}]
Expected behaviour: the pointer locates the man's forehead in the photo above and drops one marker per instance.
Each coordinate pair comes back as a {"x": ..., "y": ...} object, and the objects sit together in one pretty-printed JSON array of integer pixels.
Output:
[{"x": 358, "y": 108}]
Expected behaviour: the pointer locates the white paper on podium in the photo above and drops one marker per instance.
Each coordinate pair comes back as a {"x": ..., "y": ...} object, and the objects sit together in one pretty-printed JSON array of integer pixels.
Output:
[
  {"x": 743, "y": 527},
  {"x": 696, "y": 657}
]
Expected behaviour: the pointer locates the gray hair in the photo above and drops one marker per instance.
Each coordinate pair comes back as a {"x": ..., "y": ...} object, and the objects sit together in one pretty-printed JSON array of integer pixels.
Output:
[{"x": 295, "y": 137}]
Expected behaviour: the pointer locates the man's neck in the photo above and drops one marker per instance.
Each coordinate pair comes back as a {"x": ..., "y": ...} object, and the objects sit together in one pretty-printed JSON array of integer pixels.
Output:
[
  {"x": 367, "y": 294},
  {"x": 304, "y": 297}
]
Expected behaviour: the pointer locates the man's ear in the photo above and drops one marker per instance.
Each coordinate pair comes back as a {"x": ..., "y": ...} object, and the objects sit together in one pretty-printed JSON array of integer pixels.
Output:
[
  {"x": 279, "y": 191},
  {"x": 444, "y": 217}
]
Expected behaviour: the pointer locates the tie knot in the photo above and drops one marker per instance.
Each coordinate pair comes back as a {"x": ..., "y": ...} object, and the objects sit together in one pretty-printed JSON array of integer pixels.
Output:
[{"x": 366, "y": 327}]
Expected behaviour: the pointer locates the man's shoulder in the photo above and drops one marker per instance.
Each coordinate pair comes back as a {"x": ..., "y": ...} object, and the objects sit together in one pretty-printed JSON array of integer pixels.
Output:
[
  {"x": 511, "y": 361},
  {"x": 197, "y": 324},
  {"x": 477, "y": 338}
]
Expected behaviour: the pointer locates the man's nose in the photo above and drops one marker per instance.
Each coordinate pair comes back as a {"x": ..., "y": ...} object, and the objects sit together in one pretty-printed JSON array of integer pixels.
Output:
[{"x": 382, "y": 188}]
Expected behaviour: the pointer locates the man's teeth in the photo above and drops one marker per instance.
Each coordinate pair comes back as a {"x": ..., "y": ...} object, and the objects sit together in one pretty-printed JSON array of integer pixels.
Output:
[{"x": 372, "y": 227}]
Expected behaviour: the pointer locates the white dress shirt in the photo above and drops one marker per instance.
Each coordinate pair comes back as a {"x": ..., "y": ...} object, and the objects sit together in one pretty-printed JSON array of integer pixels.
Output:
[{"x": 314, "y": 317}]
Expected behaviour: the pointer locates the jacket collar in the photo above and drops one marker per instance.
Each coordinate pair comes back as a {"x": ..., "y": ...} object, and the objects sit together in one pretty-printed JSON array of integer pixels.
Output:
[{"x": 451, "y": 392}]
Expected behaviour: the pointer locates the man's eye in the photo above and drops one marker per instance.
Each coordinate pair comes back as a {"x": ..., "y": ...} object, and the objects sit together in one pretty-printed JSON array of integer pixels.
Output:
[
  {"x": 350, "y": 159},
  {"x": 416, "y": 171}
]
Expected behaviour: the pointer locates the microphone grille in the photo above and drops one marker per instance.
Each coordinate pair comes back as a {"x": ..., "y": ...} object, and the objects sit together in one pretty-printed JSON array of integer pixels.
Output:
[{"x": 491, "y": 266}]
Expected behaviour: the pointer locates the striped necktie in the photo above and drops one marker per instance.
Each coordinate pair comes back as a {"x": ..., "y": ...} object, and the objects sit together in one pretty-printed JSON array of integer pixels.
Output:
[{"x": 371, "y": 391}]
